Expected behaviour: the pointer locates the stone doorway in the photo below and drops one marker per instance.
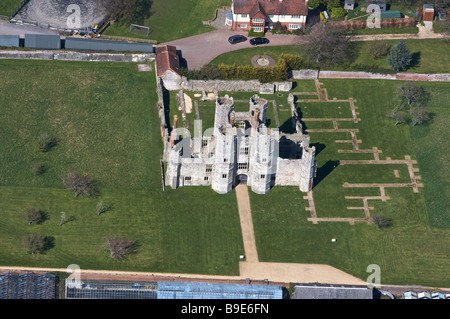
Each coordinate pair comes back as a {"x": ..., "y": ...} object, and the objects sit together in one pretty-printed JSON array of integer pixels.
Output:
[{"x": 241, "y": 179}]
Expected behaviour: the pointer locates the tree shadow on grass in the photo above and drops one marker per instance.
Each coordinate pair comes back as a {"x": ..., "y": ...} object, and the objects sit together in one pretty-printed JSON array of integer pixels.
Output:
[
  {"x": 415, "y": 59},
  {"x": 324, "y": 171},
  {"x": 49, "y": 243}
]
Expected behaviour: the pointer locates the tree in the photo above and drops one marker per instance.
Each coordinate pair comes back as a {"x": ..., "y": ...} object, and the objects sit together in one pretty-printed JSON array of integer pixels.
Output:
[
  {"x": 129, "y": 10},
  {"x": 33, "y": 215},
  {"x": 44, "y": 142},
  {"x": 398, "y": 116},
  {"x": 102, "y": 207},
  {"x": 35, "y": 243},
  {"x": 419, "y": 115},
  {"x": 119, "y": 247},
  {"x": 411, "y": 94},
  {"x": 320, "y": 5},
  {"x": 381, "y": 221},
  {"x": 325, "y": 46},
  {"x": 399, "y": 58},
  {"x": 412, "y": 100},
  {"x": 79, "y": 184},
  {"x": 332, "y": 4},
  {"x": 37, "y": 168}
]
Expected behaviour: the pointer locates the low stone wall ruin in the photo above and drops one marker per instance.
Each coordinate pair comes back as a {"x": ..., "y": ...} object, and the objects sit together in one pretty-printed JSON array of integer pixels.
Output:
[
  {"x": 76, "y": 56},
  {"x": 235, "y": 85}
]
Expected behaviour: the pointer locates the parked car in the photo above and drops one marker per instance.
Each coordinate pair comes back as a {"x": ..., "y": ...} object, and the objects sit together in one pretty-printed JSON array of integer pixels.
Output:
[
  {"x": 236, "y": 39},
  {"x": 258, "y": 41}
]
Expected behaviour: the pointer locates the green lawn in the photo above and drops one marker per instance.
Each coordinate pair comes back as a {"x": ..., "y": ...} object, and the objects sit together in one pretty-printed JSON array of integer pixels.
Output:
[
  {"x": 414, "y": 250},
  {"x": 429, "y": 56},
  {"x": 8, "y": 7},
  {"x": 174, "y": 19},
  {"x": 105, "y": 121}
]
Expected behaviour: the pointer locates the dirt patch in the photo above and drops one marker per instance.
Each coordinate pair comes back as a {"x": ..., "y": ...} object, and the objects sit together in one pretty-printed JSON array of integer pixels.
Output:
[{"x": 57, "y": 12}]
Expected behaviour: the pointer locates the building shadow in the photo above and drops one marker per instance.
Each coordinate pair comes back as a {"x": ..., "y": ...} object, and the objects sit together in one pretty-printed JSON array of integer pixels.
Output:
[
  {"x": 324, "y": 171},
  {"x": 319, "y": 147}
]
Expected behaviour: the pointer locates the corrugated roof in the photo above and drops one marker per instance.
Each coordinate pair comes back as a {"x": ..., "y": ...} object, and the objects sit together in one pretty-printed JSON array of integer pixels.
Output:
[
  {"x": 9, "y": 41},
  {"x": 106, "y": 45},
  {"x": 42, "y": 41},
  {"x": 27, "y": 286},
  {"x": 390, "y": 14},
  {"x": 204, "y": 290},
  {"x": 331, "y": 292}
]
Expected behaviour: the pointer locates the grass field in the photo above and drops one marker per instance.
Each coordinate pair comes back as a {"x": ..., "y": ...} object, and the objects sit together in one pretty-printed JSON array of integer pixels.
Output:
[
  {"x": 430, "y": 56},
  {"x": 414, "y": 250},
  {"x": 8, "y": 7},
  {"x": 105, "y": 121},
  {"x": 185, "y": 19}
]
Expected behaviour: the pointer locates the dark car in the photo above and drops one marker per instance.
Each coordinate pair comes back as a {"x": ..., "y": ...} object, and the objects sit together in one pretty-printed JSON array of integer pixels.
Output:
[
  {"x": 236, "y": 39},
  {"x": 258, "y": 41}
]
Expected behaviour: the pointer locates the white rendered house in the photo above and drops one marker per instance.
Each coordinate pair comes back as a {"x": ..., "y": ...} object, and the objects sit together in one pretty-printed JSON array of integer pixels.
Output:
[{"x": 262, "y": 14}]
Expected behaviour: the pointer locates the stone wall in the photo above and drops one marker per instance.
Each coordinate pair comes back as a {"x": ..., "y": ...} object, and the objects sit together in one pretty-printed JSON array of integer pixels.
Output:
[
  {"x": 305, "y": 74},
  {"x": 76, "y": 56},
  {"x": 235, "y": 85},
  {"x": 443, "y": 77}
]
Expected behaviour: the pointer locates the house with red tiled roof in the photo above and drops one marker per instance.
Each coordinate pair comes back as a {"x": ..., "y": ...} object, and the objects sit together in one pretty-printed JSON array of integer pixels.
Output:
[
  {"x": 262, "y": 14},
  {"x": 168, "y": 68}
]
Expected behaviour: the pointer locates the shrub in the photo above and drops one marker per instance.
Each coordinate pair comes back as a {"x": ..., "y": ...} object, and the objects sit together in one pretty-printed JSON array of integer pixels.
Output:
[
  {"x": 37, "y": 168},
  {"x": 43, "y": 143},
  {"x": 278, "y": 27},
  {"x": 337, "y": 12},
  {"x": 377, "y": 49},
  {"x": 252, "y": 33},
  {"x": 293, "y": 61},
  {"x": 381, "y": 221}
]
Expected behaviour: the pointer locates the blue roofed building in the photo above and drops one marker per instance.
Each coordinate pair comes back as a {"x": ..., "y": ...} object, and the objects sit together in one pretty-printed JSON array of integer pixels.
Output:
[
  {"x": 106, "y": 45},
  {"x": 42, "y": 41},
  {"x": 205, "y": 290},
  {"x": 9, "y": 41}
]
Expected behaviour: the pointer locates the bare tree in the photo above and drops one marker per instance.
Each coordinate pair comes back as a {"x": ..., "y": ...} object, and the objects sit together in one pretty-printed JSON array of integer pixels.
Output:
[
  {"x": 381, "y": 221},
  {"x": 35, "y": 243},
  {"x": 33, "y": 215},
  {"x": 102, "y": 207},
  {"x": 119, "y": 247},
  {"x": 37, "y": 168},
  {"x": 412, "y": 94},
  {"x": 399, "y": 116},
  {"x": 325, "y": 45},
  {"x": 79, "y": 184},
  {"x": 419, "y": 115},
  {"x": 44, "y": 142}
]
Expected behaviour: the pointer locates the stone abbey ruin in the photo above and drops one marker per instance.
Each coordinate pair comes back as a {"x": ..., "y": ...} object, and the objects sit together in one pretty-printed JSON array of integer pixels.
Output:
[{"x": 240, "y": 149}]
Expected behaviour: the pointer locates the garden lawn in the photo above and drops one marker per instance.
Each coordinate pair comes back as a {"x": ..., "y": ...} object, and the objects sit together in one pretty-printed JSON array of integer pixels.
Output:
[
  {"x": 173, "y": 19},
  {"x": 8, "y": 7},
  {"x": 105, "y": 121},
  {"x": 414, "y": 249},
  {"x": 429, "y": 56}
]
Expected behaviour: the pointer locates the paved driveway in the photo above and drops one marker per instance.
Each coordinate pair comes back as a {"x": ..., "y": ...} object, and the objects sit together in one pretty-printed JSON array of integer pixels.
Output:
[
  {"x": 7, "y": 28},
  {"x": 201, "y": 49}
]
